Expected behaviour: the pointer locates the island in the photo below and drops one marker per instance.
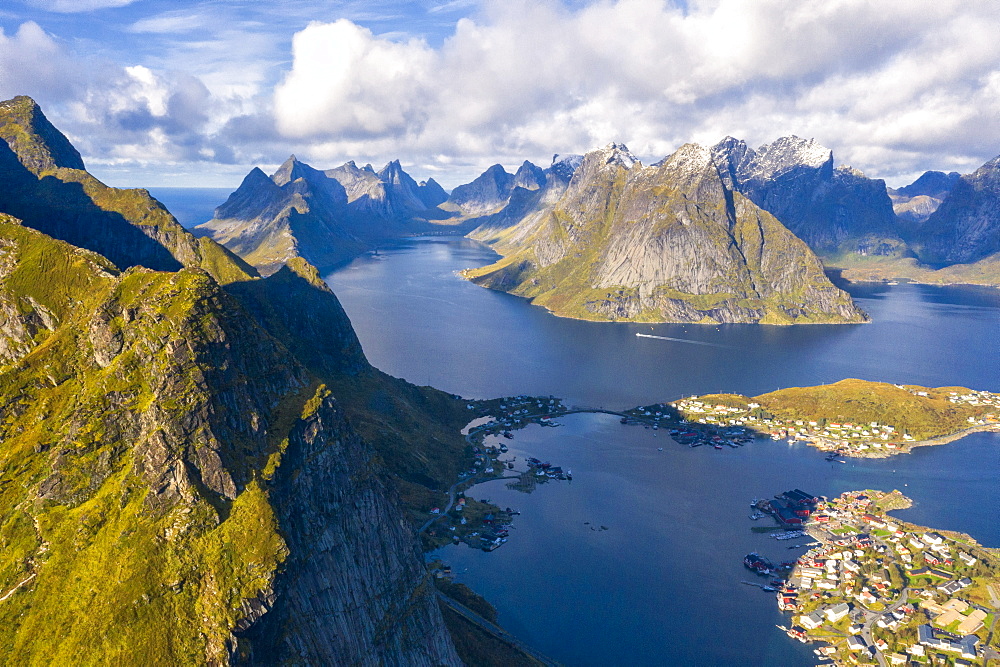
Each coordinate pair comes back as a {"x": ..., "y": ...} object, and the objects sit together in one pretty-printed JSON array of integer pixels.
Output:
[
  {"x": 849, "y": 418},
  {"x": 873, "y": 587}
]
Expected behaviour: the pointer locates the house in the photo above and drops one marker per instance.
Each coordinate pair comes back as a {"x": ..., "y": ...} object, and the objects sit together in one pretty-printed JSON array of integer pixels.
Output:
[
  {"x": 856, "y": 643},
  {"x": 837, "y": 612},
  {"x": 811, "y": 621}
]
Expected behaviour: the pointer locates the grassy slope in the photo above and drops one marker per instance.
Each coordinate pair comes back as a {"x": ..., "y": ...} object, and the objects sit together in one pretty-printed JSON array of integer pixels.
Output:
[
  {"x": 69, "y": 421},
  {"x": 875, "y": 269},
  {"x": 861, "y": 402}
]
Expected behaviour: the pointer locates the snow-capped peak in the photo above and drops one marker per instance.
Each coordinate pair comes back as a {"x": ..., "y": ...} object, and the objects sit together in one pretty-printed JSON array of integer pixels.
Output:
[
  {"x": 616, "y": 153},
  {"x": 787, "y": 153}
]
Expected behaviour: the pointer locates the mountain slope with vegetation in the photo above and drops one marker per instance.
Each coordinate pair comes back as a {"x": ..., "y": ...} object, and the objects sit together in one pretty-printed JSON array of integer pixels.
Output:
[
  {"x": 664, "y": 243},
  {"x": 181, "y": 480}
]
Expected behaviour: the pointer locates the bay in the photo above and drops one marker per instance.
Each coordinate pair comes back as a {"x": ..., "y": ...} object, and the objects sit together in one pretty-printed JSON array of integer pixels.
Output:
[{"x": 661, "y": 586}]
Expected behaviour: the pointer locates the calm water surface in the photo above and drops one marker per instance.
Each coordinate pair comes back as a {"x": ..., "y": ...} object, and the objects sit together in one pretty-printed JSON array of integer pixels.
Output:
[
  {"x": 661, "y": 585},
  {"x": 191, "y": 206}
]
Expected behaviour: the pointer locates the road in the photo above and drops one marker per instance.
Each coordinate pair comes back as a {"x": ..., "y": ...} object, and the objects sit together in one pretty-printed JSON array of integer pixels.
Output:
[
  {"x": 866, "y": 630},
  {"x": 494, "y": 630}
]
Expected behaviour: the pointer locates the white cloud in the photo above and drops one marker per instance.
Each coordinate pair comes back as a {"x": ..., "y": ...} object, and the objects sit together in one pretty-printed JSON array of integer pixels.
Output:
[
  {"x": 31, "y": 62},
  {"x": 894, "y": 86}
]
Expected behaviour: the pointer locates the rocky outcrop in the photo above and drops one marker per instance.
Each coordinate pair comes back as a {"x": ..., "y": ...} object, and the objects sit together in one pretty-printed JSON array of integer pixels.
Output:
[
  {"x": 966, "y": 226},
  {"x": 669, "y": 242}
]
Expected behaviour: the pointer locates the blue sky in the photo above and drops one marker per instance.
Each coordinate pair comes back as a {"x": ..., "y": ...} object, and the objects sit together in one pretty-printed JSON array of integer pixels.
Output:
[{"x": 196, "y": 92}]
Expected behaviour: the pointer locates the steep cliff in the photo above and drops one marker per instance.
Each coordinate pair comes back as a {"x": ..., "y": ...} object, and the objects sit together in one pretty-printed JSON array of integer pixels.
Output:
[
  {"x": 664, "y": 243},
  {"x": 325, "y": 217},
  {"x": 179, "y": 481},
  {"x": 966, "y": 227},
  {"x": 835, "y": 211}
]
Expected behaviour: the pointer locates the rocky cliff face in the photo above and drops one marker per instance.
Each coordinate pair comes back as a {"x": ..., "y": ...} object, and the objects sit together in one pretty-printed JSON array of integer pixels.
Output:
[
  {"x": 966, "y": 226},
  {"x": 177, "y": 483},
  {"x": 833, "y": 210},
  {"x": 324, "y": 217},
  {"x": 664, "y": 243}
]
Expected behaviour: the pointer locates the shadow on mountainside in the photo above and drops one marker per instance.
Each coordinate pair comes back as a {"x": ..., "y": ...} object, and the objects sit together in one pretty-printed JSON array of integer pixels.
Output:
[{"x": 65, "y": 211}]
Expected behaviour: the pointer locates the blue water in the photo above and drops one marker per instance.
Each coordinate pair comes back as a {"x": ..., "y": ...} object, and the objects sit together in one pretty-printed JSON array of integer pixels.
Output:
[
  {"x": 191, "y": 206},
  {"x": 661, "y": 585}
]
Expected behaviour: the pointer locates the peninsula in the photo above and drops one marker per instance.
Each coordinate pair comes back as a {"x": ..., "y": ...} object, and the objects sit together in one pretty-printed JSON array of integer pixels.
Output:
[{"x": 876, "y": 587}]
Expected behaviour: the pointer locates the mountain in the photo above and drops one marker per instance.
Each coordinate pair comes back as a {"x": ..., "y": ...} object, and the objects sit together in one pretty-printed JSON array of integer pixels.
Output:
[
  {"x": 915, "y": 202},
  {"x": 837, "y": 211},
  {"x": 670, "y": 242},
  {"x": 966, "y": 226},
  {"x": 47, "y": 188},
  {"x": 197, "y": 465},
  {"x": 325, "y": 217}
]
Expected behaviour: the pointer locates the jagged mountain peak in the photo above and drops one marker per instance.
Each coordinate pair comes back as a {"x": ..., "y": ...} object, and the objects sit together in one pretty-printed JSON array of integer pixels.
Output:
[
  {"x": 529, "y": 176},
  {"x": 786, "y": 153},
  {"x": 564, "y": 166},
  {"x": 688, "y": 160},
  {"x": 617, "y": 153},
  {"x": 38, "y": 144}
]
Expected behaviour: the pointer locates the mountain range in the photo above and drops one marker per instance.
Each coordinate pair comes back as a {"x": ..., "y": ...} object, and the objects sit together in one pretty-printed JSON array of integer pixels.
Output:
[
  {"x": 324, "y": 217},
  {"x": 670, "y": 242},
  {"x": 198, "y": 465}
]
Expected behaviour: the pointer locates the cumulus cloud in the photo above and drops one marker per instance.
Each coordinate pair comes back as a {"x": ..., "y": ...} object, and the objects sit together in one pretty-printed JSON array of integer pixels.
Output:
[
  {"x": 894, "y": 87},
  {"x": 30, "y": 60}
]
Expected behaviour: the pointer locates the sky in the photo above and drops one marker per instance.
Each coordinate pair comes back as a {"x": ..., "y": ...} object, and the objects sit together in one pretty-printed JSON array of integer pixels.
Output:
[{"x": 197, "y": 92}]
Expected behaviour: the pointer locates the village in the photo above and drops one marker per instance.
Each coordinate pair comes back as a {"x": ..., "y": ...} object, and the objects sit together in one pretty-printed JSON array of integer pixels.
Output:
[
  {"x": 876, "y": 590},
  {"x": 479, "y": 523},
  {"x": 871, "y": 439}
]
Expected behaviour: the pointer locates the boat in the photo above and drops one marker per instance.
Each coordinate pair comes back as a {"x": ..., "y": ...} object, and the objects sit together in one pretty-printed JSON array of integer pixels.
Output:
[{"x": 769, "y": 589}]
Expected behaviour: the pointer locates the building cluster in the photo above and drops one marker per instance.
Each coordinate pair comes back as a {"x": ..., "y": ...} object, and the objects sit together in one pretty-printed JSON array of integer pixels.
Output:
[
  {"x": 875, "y": 587},
  {"x": 826, "y": 435}
]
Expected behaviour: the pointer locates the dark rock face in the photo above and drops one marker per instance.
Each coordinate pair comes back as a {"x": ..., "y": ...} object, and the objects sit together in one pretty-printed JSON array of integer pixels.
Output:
[
  {"x": 487, "y": 193},
  {"x": 353, "y": 590},
  {"x": 966, "y": 227},
  {"x": 794, "y": 179},
  {"x": 664, "y": 243},
  {"x": 936, "y": 184}
]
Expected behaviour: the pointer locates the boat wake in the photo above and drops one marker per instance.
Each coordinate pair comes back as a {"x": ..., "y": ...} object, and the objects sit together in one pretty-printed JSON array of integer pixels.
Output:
[{"x": 680, "y": 340}]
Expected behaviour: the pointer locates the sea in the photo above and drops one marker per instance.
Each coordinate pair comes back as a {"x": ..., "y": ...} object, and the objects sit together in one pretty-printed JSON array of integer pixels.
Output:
[{"x": 638, "y": 559}]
